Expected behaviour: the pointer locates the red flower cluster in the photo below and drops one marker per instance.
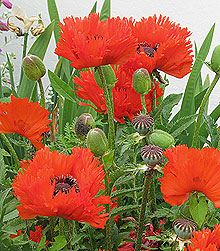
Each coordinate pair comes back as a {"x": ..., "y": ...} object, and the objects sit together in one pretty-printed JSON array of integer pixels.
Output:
[
  {"x": 55, "y": 184},
  {"x": 190, "y": 170},
  {"x": 205, "y": 240},
  {"x": 126, "y": 101},
  {"x": 89, "y": 42},
  {"x": 25, "y": 118}
]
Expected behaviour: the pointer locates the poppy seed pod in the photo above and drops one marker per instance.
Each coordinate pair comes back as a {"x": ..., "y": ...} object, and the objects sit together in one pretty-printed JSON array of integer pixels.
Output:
[
  {"x": 151, "y": 155},
  {"x": 108, "y": 74},
  {"x": 97, "y": 142},
  {"x": 83, "y": 125},
  {"x": 215, "y": 60},
  {"x": 33, "y": 67},
  {"x": 184, "y": 228},
  {"x": 142, "y": 123},
  {"x": 161, "y": 138},
  {"x": 141, "y": 81}
]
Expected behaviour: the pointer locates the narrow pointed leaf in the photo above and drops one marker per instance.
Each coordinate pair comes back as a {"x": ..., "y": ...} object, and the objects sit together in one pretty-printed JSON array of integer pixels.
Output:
[{"x": 106, "y": 10}]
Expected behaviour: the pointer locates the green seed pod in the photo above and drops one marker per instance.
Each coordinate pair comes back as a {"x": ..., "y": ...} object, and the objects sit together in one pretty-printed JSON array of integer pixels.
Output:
[
  {"x": 142, "y": 123},
  {"x": 97, "y": 142},
  {"x": 83, "y": 125},
  {"x": 141, "y": 81},
  {"x": 184, "y": 228},
  {"x": 151, "y": 155},
  {"x": 33, "y": 67},
  {"x": 109, "y": 75},
  {"x": 161, "y": 138},
  {"x": 215, "y": 60}
]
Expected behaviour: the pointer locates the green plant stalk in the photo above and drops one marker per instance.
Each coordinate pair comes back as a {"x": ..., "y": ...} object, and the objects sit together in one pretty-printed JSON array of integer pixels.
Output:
[
  {"x": 61, "y": 226},
  {"x": 143, "y": 102},
  {"x": 153, "y": 205},
  {"x": 11, "y": 149},
  {"x": 1, "y": 92},
  {"x": 42, "y": 96},
  {"x": 24, "y": 54},
  {"x": 147, "y": 183},
  {"x": 51, "y": 222},
  {"x": 92, "y": 248},
  {"x": 110, "y": 108},
  {"x": 201, "y": 110}
]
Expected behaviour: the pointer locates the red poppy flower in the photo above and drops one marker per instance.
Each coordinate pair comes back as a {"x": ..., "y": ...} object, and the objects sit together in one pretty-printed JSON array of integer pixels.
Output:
[
  {"x": 55, "y": 184},
  {"x": 162, "y": 45},
  {"x": 89, "y": 42},
  {"x": 25, "y": 118},
  {"x": 205, "y": 240},
  {"x": 126, "y": 101},
  {"x": 190, "y": 170}
]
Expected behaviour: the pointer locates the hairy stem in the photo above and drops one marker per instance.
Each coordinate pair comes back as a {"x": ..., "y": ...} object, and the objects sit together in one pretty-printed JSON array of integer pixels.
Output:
[{"x": 42, "y": 99}]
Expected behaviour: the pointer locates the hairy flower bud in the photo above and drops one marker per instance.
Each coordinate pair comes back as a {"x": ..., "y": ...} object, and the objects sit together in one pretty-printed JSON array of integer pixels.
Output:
[
  {"x": 141, "y": 81},
  {"x": 108, "y": 74},
  {"x": 83, "y": 125},
  {"x": 161, "y": 138},
  {"x": 33, "y": 67},
  {"x": 215, "y": 60},
  {"x": 151, "y": 155},
  {"x": 184, "y": 228},
  {"x": 97, "y": 142},
  {"x": 142, "y": 123}
]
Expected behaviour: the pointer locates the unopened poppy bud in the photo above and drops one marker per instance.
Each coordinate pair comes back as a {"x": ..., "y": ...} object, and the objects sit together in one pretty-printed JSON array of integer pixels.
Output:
[
  {"x": 184, "y": 228},
  {"x": 161, "y": 138},
  {"x": 141, "y": 81},
  {"x": 215, "y": 60},
  {"x": 33, "y": 67},
  {"x": 108, "y": 74},
  {"x": 97, "y": 142},
  {"x": 142, "y": 123},
  {"x": 151, "y": 155},
  {"x": 83, "y": 125},
  {"x": 7, "y": 3}
]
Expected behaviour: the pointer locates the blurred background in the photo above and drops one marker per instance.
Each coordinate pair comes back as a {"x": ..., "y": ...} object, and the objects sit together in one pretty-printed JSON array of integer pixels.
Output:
[{"x": 198, "y": 16}]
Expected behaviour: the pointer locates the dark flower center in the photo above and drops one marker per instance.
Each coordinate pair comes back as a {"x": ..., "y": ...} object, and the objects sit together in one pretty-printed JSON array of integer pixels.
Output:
[
  {"x": 148, "y": 49},
  {"x": 95, "y": 37},
  {"x": 64, "y": 184}
]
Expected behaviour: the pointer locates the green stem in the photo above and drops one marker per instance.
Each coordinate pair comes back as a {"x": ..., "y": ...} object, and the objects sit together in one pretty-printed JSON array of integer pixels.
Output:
[
  {"x": 61, "y": 226},
  {"x": 24, "y": 54},
  {"x": 51, "y": 222},
  {"x": 201, "y": 110},
  {"x": 110, "y": 108},
  {"x": 42, "y": 99},
  {"x": 143, "y": 102},
  {"x": 153, "y": 204},
  {"x": 92, "y": 247},
  {"x": 147, "y": 183},
  {"x": 11, "y": 149}
]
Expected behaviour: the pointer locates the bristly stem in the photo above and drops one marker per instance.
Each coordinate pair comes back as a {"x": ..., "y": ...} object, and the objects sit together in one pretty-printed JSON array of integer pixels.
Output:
[
  {"x": 110, "y": 108},
  {"x": 24, "y": 54},
  {"x": 143, "y": 102},
  {"x": 147, "y": 183},
  {"x": 201, "y": 110},
  {"x": 11, "y": 149},
  {"x": 42, "y": 99}
]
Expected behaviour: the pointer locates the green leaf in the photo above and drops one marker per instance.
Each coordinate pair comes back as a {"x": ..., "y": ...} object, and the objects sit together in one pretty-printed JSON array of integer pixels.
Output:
[
  {"x": 198, "y": 209},
  {"x": 124, "y": 209},
  {"x": 61, "y": 87},
  {"x": 123, "y": 192},
  {"x": 187, "y": 107},
  {"x": 182, "y": 124},
  {"x": 11, "y": 76},
  {"x": 39, "y": 49},
  {"x": 94, "y": 8},
  {"x": 198, "y": 98},
  {"x": 60, "y": 242},
  {"x": 108, "y": 159},
  {"x": 106, "y": 10}
]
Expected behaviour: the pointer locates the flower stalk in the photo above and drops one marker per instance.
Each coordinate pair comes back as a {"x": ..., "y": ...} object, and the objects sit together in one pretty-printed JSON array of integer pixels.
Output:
[
  {"x": 201, "y": 110},
  {"x": 109, "y": 103},
  {"x": 147, "y": 183},
  {"x": 42, "y": 99},
  {"x": 24, "y": 54},
  {"x": 143, "y": 102}
]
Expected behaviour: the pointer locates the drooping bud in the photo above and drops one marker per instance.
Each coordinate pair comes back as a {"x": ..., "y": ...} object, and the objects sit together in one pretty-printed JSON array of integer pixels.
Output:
[
  {"x": 108, "y": 74},
  {"x": 161, "y": 138},
  {"x": 33, "y": 67},
  {"x": 151, "y": 155},
  {"x": 83, "y": 125},
  {"x": 141, "y": 81},
  {"x": 97, "y": 142},
  {"x": 184, "y": 228},
  {"x": 142, "y": 123},
  {"x": 215, "y": 60},
  {"x": 7, "y": 4}
]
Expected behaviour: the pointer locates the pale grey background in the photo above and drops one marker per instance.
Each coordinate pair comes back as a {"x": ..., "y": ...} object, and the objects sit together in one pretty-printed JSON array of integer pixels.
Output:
[{"x": 197, "y": 15}]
